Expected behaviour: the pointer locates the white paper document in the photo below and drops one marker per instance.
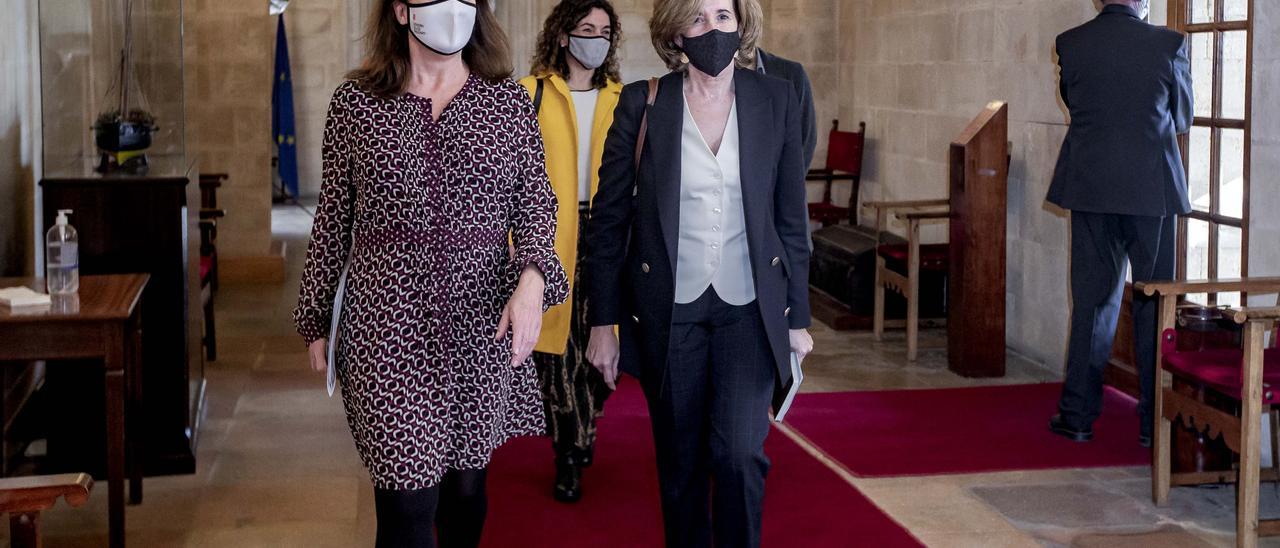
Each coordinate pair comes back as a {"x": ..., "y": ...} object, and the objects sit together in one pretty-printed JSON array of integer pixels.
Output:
[
  {"x": 331, "y": 374},
  {"x": 19, "y": 297},
  {"x": 797, "y": 377}
]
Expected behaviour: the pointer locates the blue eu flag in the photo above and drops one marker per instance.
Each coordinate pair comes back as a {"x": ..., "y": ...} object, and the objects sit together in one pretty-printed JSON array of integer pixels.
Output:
[{"x": 282, "y": 123}]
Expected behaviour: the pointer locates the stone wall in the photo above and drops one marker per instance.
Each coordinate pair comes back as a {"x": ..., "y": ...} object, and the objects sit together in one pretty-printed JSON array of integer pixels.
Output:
[
  {"x": 229, "y": 74},
  {"x": 20, "y": 136},
  {"x": 1264, "y": 260},
  {"x": 920, "y": 72}
]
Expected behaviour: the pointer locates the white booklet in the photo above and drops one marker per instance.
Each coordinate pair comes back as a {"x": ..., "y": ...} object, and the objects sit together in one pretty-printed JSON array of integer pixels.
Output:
[
  {"x": 797, "y": 377},
  {"x": 331, "y": 375}
]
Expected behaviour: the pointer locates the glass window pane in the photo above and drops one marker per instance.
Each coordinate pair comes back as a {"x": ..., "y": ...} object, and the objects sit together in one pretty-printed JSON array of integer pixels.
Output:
[
  {"x": 1201, "y": 11},
  {"x": 1198, "y": 157},
  {"x": 1230, "y": 254},
  {"x": 1235, "y": 50},
  {"x": 1197, "y": 255},
  {"x": 1197, "y": 249},
  {"x": 1236, "y": 10},
  {"x": 1231, "y": 194},
  {"x": 1202, "y": 72}
]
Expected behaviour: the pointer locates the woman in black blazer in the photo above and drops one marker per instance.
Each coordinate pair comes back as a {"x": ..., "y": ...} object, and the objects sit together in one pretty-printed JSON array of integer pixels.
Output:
[{"x": 700, "y": 259}]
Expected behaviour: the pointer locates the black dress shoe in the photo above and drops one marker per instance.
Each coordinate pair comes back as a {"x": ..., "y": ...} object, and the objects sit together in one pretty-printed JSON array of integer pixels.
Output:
[
  {"x": 1059, "y": 427},
  {"x": 568, "y": 486}
]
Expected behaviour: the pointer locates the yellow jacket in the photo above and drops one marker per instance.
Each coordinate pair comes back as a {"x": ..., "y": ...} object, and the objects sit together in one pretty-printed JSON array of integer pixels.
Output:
[{"x": 559, "y": 125}]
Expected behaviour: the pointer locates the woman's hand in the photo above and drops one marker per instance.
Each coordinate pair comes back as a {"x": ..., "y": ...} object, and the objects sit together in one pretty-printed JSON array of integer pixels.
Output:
[
  {"x": 602, "y": 352},
  {"x": 801, "y": 343},
  {"x": 319, "y": 355},
  {"x": 523, "y": 315}
]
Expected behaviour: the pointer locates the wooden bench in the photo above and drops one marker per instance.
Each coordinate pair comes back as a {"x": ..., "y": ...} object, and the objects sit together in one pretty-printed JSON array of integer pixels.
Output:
[{"x": 24, "y": 498}]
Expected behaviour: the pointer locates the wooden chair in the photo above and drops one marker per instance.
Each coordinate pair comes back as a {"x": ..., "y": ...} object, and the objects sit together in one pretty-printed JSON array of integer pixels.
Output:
[
  {"x": 844, "y": 163},
  {"x": 209, "y": 215},
  {"x": 898, "y": 266},
  {"x": 1246, "y": 376},
  {"x": 24, "y": 498}
]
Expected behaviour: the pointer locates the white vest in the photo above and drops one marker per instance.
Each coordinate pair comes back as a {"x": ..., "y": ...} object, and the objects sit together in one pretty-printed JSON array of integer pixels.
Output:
[{"x": 713, "y": 230}]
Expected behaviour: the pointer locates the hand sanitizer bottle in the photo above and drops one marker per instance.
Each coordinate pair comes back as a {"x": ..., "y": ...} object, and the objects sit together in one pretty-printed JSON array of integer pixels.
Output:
[{"x": 62, "y": 257}]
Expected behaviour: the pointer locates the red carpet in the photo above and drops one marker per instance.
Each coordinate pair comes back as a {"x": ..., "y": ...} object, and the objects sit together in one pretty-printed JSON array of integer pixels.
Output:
[
  {"x": 806, "y": 504},
  {"x": 962, "y": 430}
]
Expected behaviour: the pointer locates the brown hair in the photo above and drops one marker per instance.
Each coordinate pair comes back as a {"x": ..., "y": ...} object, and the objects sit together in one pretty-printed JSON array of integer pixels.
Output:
[
  {"x": 549, "y": 58},
  {"x": 672, "y": 17},
  {"x": 385, "y": 70}
]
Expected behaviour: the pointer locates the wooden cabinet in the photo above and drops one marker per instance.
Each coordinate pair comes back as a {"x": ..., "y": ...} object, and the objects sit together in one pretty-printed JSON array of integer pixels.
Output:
[{"x": 145, "y": 224}]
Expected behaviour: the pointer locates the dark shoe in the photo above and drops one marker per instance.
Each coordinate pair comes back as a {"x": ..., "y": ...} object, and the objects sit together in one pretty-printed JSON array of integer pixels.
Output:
[
  {"x": 1059, "y": 427},
  {"x": 1144, "y": 440},
  {"x": 568, "y": 486},
  {"x": 584, "y": 457}
]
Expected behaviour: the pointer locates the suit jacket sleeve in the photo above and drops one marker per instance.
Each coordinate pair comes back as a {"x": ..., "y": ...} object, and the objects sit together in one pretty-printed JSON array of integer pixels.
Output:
[
  {"x": 809, "y": 121},
  {"x": 1062, "y": 75},
  {"x": 790, "y": 215},
  {"x": 612, "y": 210},
  {"x": 1182, "y": 98}
]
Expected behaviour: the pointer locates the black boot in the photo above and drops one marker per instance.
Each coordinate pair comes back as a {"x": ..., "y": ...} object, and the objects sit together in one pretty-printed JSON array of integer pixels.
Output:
[
  {"x": 584, "y": 457},
  {"x": 568, "y": 486}
]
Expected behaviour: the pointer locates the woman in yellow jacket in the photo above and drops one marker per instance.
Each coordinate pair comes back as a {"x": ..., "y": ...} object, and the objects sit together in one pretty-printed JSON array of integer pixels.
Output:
[{"x": 575, "y": 86}]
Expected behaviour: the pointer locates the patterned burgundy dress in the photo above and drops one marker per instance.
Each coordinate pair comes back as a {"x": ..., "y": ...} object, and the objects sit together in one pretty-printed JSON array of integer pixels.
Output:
[{"x": 425, "y": 210}]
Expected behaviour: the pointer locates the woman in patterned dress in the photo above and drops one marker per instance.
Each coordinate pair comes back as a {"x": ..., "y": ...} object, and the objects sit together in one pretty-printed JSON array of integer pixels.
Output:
[
  {"x": 432, "y": 164},
  {"x": 575, "y": 85}
]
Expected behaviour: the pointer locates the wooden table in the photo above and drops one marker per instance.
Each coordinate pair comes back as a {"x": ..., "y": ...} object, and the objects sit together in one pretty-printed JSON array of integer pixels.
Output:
[{"x": 103, "y": 321}]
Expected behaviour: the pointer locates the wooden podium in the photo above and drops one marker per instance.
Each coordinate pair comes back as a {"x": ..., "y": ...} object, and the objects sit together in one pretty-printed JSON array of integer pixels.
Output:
[{"x": 979, "y": 175}]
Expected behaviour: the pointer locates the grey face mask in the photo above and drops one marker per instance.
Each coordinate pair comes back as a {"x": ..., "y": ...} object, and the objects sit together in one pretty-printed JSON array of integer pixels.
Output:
[{"x": 591, "y": 51}]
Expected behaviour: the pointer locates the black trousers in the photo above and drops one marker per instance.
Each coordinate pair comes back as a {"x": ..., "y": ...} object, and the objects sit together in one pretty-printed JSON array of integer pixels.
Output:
[
  {"x": 709, "y": 409},
  {"x": 1100, "y": 245}
]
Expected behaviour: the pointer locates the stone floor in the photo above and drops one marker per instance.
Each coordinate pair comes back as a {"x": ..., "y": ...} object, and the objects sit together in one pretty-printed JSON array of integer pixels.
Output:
[{"x": 276, "y": 466}]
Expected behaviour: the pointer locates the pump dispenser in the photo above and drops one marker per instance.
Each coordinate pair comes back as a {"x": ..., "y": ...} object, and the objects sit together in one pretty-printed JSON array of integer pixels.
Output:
[{"x": 62, "y": 257}]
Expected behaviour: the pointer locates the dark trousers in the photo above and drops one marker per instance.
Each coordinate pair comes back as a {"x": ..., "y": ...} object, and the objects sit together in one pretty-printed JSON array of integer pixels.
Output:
[
  {"x": 709, "y": 409},
  {"x": 1100, "y": 245}
]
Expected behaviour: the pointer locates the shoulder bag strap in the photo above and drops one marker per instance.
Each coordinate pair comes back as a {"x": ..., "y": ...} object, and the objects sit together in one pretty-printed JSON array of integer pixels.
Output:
[{"x": 644, "y": 121}]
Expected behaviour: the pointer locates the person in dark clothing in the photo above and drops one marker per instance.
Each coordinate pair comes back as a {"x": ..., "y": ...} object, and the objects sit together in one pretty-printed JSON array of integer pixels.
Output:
[{"x": 1128, "y": 87}]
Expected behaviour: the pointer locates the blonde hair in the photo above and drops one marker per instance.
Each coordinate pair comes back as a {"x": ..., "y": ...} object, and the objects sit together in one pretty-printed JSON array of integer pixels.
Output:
[{"x": 671, "y": 18}]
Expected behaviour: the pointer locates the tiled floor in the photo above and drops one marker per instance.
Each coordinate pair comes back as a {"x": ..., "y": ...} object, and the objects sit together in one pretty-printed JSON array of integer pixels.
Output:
[{"x": 276, "y": 466}]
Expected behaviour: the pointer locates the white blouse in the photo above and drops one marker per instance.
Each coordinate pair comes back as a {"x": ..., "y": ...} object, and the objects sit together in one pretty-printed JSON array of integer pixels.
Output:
[{"x": 712, "y": 248}]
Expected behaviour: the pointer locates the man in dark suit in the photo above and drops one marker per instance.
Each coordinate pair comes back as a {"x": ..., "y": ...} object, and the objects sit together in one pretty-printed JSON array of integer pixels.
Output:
[
  {"x": 1128, "y": 87},
  {"x": 791, "y": 71}
]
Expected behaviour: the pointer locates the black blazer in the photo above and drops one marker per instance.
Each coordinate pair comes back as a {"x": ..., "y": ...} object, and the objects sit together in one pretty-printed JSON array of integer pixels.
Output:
[
  {"x": 791, "y": 71},
  {"x": 634, "y": 226},
  {"x": 1128, "y": 86}
]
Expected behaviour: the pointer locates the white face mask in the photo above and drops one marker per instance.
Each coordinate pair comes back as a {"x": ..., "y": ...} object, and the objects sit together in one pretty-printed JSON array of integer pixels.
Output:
[
  {"x": 443, "y": 26},
  {"x": 591, "y": 51}
]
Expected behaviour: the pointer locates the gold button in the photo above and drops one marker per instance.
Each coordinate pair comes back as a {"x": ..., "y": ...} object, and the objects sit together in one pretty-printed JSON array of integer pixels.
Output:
[
  {"x": 644, "y": 267},
  {"x": 776, "y": 261}
]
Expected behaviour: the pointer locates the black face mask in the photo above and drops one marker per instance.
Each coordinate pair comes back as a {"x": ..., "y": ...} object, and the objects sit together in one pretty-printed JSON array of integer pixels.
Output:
[{"x": 713, "y": 51}]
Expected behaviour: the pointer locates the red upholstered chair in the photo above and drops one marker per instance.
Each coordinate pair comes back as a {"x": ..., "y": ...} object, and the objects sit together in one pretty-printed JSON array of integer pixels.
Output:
[
  {"x": 1248, "y": 376},
  {"x": 844, "y": 163},
  {"x": 209, "y": 215},
  {"x": 898, "y": 266}
]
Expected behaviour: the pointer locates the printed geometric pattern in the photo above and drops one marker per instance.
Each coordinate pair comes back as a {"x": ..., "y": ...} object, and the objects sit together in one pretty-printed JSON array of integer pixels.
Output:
[{"x": 424, "y": 209}]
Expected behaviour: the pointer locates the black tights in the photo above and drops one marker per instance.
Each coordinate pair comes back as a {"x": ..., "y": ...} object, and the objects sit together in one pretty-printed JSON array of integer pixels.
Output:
[{"x": 456, "y": 507}]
